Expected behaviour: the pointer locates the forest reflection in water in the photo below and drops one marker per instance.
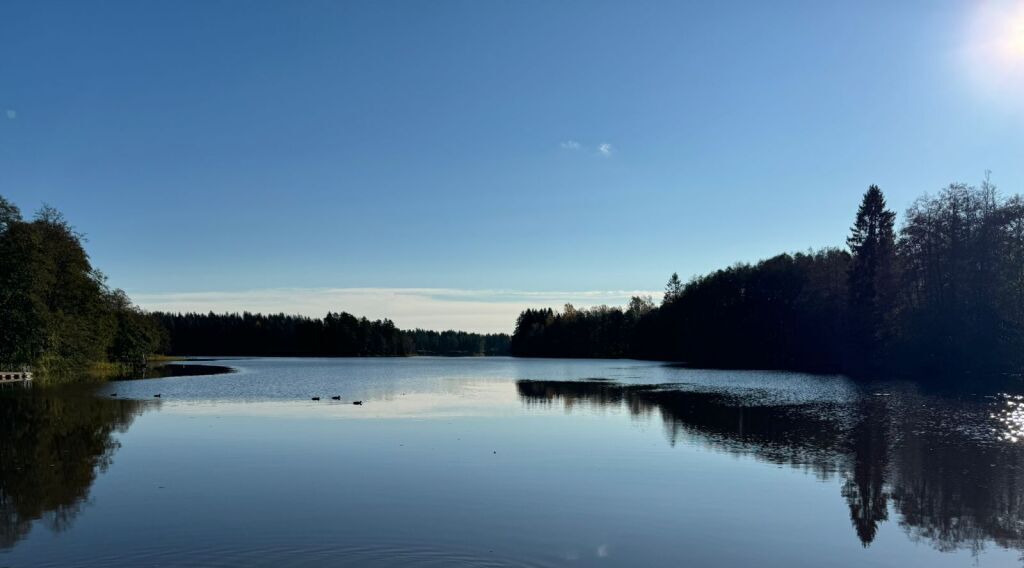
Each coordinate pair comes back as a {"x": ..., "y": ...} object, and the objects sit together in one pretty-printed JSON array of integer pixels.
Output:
[
  {"x": 949, "y": 467},
  {"x": 943, "y": 466},
  {"x": 53, "y": 448}
]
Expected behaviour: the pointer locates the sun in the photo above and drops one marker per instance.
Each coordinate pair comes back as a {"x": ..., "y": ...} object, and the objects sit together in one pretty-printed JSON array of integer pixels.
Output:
[
  {"x": 994, "y": 48},
  {"x": 998, "y": 32},
  {"x": 1013, "y": 36}
]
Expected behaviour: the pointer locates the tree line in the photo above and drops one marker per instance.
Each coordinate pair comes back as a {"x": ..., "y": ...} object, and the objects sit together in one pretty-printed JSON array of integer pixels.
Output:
[
  {"x": 335, "y": 335},
  {"x": 942, "y": 295},
  {"x": 428, "y": 342},
  {"x": 57, "y": 313}
]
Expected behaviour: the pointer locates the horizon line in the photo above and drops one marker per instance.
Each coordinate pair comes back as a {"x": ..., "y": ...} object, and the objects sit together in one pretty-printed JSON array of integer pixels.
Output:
[{"x": 463, "y": 309}]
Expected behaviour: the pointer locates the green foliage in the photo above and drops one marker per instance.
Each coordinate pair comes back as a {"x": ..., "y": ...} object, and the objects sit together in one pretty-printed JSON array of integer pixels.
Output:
[
  {"x": 57, "y": 313},
  {"x": 137, "y": 335}
]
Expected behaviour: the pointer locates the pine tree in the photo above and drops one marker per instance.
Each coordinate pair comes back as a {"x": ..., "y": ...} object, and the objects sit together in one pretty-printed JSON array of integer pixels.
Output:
[
  {"x": 872, "y": 243},
  {"x": 674, "y": 289}
]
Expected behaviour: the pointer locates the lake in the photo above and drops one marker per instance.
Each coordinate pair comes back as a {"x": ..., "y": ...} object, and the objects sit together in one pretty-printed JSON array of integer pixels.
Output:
[{"x": 508, "y": 462}]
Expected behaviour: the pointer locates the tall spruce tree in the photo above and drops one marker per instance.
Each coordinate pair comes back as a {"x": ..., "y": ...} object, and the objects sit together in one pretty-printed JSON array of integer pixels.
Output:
[
  {"x": 674, "y": 289},
  {"x": 871, "y": 276}
]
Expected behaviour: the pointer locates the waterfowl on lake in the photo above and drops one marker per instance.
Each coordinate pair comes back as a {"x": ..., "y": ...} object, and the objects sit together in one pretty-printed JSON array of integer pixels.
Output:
[
  {"x": 157, "y": 395},
  {"x": 316, "y": 398},
  {"x": 357, "y": 402},
  {"x": 113, "y": 394},
  {"x": 335, "y": 398}
]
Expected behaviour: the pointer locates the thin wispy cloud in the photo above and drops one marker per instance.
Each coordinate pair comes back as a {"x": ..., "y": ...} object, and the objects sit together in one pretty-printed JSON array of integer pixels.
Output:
[
  {"x": 11, "y": 113},
  {"x": 604, "y": 149},
  {"x": 429, "y": 308}
]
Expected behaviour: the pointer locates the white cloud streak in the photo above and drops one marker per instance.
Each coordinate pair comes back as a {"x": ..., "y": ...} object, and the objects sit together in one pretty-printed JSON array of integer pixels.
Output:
[
  {"x": 484, "y": 311},
  {"x": 11, "y": 113},
  {"x": 571, "y": 145},
  {"x": 605, "y": 149}
]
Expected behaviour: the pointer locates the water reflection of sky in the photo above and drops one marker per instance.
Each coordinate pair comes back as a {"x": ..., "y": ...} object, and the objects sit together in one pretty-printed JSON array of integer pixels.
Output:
[
  {"x": 511, "y": 462},
  {"x": 457, "y": 399}
]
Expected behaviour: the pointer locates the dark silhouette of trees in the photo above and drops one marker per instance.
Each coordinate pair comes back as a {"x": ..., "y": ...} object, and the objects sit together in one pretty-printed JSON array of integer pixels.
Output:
[
  {"x": 944, "y": 297},
  {"x": 529, "y": 338},
  {"x": 336, "y": 335},
  {"x": 639, "y": 306},
  {"x": 427, "y": 342},
  {"x": 872, "y": 243},
  {"x": 961, "y": 304},
  {"x": 784, "y": 312},
  {"x": 673, "y": 289},
  {"x": 600, "y": 331}
]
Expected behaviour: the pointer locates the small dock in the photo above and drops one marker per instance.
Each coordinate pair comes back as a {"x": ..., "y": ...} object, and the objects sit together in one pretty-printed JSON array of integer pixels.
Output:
[{"x": 15, "y": 376}]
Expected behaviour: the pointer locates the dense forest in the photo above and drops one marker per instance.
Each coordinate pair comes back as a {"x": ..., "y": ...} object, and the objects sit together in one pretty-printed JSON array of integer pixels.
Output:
[
  {"x": 336, "y": 335},
  {"x": 57, "y": 313},
  {"x": 59, "y": 316},
  {"x": 943, "y": 294}
]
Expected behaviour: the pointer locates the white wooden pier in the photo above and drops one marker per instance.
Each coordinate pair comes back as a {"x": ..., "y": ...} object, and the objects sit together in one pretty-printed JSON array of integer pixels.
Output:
[{"x": 15, "y": 376}]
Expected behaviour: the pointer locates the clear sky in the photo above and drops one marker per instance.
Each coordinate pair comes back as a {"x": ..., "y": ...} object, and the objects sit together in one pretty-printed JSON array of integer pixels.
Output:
[{"x": 303, "y": 155}]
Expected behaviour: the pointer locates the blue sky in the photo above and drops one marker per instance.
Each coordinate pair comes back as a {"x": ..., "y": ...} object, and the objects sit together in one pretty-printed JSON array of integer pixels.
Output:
[{"x": 295, "y": 150}]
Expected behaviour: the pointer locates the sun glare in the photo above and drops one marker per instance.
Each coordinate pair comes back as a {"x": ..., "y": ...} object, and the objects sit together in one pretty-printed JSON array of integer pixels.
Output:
[
  {"x": 995, "y": 48},
  {"x": 1013, "y": 45}
]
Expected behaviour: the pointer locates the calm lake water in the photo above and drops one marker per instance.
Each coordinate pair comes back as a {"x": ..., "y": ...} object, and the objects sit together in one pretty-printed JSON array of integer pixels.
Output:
[{"x": 508, "y": 462}]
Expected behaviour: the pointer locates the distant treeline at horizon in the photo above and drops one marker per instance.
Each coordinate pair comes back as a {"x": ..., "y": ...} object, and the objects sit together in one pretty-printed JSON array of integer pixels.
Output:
[
  {"x": 943, "y": 295},
  {"x": 335, "y": 335},
  {"x": 59, "y": 317}
]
